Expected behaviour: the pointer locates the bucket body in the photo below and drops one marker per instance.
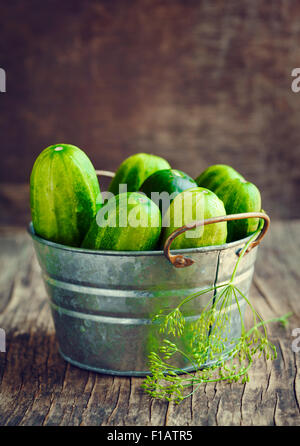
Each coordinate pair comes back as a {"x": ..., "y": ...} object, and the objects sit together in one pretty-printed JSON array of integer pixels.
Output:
[{"x": 103, "y": 302}]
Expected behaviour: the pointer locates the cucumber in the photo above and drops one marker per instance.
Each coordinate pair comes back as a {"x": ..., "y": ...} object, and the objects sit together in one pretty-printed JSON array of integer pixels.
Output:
[
  {"x": 127, "y": 222},
  {"x": 195, "y": 204},
  {"x": 171, "y": 181},
  {"x": 134, "y": 170},
  {"x": 64, "y": 189},
  {"x": 216, "y": 175},
  {"x": 240, "y": 196}
]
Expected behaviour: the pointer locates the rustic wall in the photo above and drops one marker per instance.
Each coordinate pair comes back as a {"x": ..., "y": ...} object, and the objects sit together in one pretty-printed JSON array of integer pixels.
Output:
[{"x": 198, "y": 82}]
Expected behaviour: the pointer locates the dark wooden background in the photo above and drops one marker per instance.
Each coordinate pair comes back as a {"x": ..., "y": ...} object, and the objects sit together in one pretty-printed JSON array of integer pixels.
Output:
[{"x": 197, "y": 82}]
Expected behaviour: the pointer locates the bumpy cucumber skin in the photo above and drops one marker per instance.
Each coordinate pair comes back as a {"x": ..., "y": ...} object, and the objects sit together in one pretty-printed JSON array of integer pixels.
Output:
[
  {"x": 126, "y": 237},
  {"x": 209, "y": 206},
  {"x": 134, "y": 170},
  {"x": 238, "y": 197},
  {"x": 64, "y": 189},
  {"x": 215, "y": 175},
  {"x": 172, "y": 181}
]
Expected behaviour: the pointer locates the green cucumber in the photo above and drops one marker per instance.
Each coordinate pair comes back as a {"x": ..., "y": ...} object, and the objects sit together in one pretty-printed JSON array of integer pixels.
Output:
[
  {"x": 195, "y": 204},
  {"x": 240, "y": 196},
  {"x": 216, "y": 175},
  {"x": 127, "y": 222},
  {"x": 64, "y": 189},
  {"x": 171, "y": 181},
  {"x": 134, "y": 170}
]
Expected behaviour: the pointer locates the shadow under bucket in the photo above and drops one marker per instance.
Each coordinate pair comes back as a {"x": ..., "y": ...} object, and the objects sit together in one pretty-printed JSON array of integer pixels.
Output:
[{"x": 103, "y": 302}]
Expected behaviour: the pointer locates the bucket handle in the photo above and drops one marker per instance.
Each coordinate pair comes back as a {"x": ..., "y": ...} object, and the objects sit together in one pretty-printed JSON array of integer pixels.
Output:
[
  {"x": 180, "y": 261},
  {"x": 105, "y": 173}
]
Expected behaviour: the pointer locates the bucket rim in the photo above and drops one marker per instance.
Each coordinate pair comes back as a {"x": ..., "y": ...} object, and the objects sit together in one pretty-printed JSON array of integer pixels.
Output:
[{"x": 202, "y": 249}]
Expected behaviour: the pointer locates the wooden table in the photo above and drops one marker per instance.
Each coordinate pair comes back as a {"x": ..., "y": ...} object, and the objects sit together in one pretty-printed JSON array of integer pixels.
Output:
[{"x": 37, "y": 387}]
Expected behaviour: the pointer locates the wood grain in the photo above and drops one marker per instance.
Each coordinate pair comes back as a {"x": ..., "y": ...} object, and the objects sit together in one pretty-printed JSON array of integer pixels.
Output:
[
  {"x": 196, "y": 82},
  {"x": 37, "y": 387}
]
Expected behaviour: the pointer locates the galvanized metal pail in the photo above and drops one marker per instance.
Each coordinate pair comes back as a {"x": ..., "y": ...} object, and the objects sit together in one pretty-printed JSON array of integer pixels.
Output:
[{"x": 103, "y": 302}]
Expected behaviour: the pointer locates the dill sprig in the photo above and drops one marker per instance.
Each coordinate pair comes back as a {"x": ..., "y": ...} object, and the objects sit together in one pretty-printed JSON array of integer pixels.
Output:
[{"x": 207, "y": 341}]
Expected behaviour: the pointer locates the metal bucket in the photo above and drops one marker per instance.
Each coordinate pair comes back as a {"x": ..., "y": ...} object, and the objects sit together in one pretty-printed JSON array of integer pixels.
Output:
[{"x": 103, "y": 302}]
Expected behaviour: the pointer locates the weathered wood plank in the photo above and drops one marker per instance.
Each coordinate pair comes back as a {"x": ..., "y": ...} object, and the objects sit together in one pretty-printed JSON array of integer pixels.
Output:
[
  {"x": 37, "y": 387},
  {"x": 15, "y": 250},
  {"x": 197, "y": 82}
]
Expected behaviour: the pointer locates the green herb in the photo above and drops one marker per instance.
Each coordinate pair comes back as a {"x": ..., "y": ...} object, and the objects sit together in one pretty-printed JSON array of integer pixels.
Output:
[{"x": 207, "y": 342}]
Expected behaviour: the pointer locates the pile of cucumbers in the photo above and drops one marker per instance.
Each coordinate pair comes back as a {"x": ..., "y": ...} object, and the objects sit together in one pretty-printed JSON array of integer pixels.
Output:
[{"x": 147, "y": 201}]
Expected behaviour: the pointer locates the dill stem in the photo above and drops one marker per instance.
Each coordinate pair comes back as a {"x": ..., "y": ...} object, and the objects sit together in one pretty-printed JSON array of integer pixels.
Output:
[
  {"x": 241, "y": 317},
  {"x": 242, "y": 254},
  {"x": 263, "y": 323},
  {"x": 199, "y": 293}
]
